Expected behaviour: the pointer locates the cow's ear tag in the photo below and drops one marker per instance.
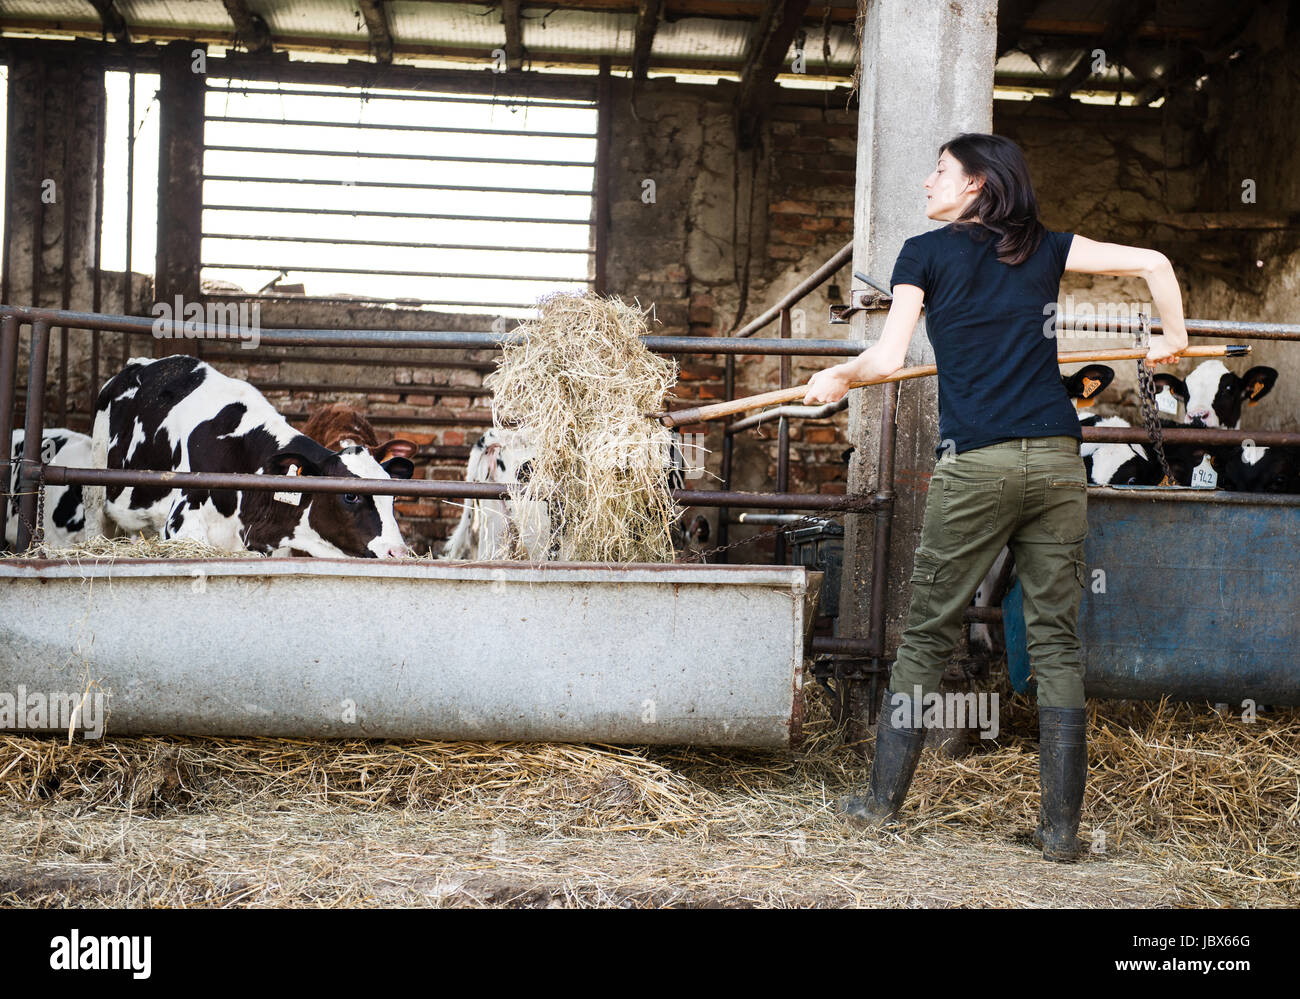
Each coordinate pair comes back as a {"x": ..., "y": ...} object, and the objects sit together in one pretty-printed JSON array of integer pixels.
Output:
[
  {"x": 1204, "y": 474},
  {"x": 293, "y": 499},
  {"x": 1165, "y": 401},
  {"x": 1090, "y": 385}
]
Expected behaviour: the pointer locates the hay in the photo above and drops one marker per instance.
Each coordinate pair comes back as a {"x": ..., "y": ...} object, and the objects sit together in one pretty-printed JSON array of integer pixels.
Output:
[
  {"x": 1196, "y": 810},
  {"x": 116, "y": 549},
  {"x": 579, "y": 388}
]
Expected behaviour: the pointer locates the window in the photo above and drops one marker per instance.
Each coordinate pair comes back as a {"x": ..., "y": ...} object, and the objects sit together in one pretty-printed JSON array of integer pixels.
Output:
[{"x": 468, "y": 203}]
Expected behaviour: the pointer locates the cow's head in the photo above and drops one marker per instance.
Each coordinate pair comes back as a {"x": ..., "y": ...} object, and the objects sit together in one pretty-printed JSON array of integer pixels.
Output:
[
  {"x": 336, "y": 524},
  {"x": 1214, "y": 395},
  {"x": 1084, "y": 385}
]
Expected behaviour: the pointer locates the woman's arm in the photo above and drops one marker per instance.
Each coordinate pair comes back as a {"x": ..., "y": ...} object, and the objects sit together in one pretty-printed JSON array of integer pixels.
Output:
[
  {"x": 882, "y": 358},
  {"x": 1087, "y": 256}
]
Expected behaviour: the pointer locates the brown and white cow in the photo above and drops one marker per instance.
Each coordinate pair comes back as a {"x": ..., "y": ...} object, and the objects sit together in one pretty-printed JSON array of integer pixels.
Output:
[{"x": 337, "y": 425}]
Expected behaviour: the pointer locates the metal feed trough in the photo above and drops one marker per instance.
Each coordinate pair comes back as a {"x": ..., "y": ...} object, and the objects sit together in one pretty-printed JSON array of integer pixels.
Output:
[
  {"x": 703, "y": 654},
  {"x": 565, "y": 652},
  {"x": 1191, "y": 595}
]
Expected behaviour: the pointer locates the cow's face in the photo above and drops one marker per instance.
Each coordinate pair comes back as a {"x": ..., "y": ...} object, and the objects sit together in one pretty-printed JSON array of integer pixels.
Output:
[
  {"x": 1215, "y": 395},
  {"x": 343, "y": 524}
]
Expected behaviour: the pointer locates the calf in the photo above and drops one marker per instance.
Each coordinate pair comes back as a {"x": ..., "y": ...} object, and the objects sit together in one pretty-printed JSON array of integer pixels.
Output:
[
  {"x": 1213, "y": 396},
  {"x": 501, "y": 528},
  {"x": 65, "y": 514},
  {"x": 511, "y": 527},
  {"x": 1253, "y": 469},
  {"x": 181, "y": 414},
  {"x": 338, "y": 425}
]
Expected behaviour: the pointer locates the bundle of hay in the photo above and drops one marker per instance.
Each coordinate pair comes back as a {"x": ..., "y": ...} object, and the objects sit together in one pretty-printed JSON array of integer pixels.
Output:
[{"x": 578, "y": 389}]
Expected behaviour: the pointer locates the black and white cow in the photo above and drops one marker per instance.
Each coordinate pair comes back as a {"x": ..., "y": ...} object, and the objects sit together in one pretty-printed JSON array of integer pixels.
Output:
[
  {"x": 181, "y": 414},
  {"x": 65, "y": 514},
  {"x": 1254, "y": 469},
  {"x": 509, "y": 528},
  {"x": 501, "y": 528},
  {"x": 1212, "y": 396}
]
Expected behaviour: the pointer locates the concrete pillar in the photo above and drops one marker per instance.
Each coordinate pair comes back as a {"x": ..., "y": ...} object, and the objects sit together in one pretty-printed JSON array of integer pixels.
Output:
[
  {"x": 180, "y": 176},
  {"x": 927, "y": 74}
]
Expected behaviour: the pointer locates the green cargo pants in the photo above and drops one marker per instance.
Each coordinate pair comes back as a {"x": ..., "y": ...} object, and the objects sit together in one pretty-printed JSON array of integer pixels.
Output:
[{"x": 1029, "y": 494}]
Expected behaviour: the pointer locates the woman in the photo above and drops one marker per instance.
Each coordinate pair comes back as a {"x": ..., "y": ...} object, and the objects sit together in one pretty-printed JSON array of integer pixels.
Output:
[{"x": 1009, "y": 471}]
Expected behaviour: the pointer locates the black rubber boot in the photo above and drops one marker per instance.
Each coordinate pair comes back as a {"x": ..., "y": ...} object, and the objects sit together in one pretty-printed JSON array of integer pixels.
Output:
[
  {"x": 1062, "y": 772},
  {"x": 892, "y": 767}
]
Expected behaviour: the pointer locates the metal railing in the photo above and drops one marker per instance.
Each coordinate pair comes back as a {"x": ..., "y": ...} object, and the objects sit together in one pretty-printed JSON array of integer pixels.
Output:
[{"x": 33, "y": 472}]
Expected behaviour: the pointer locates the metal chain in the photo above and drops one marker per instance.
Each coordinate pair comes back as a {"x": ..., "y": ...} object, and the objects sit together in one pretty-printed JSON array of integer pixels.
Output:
[
  {"x": 794, "y": 525},
  {"x": 1147, "y": 398}
]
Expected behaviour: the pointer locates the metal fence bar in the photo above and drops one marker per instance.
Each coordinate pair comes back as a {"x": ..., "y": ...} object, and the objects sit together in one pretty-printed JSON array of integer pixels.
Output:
[
  {"x": 306, "y": 269},
  {"x": 8, "y": 369},
  {"x": 29, "y": 473},
  {"x": 142, "y": 325},
  {"x": 449, "y": 489},
  {"x": 374, "y": 126},
  {"x": 231, "y": 178},
  {"x": 372, "y": 155},
  {"x": 813, "y": 281},
  {"x": 499, "y": 248},
  {"x": 388, "y": 215}
]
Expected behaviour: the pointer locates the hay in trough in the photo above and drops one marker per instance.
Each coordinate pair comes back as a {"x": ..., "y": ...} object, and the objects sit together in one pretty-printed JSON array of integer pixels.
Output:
[
  {"x": 103, "y": 549},
  {"x": 578, "y": 388}
]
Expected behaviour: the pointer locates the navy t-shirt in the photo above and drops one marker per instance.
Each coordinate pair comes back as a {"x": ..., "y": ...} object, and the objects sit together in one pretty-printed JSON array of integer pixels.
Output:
[{"x": 994, "y": 335}]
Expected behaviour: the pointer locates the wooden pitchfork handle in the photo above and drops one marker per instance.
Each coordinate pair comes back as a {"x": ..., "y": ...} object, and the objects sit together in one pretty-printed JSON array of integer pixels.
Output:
[{"x": 716, "y": 411}]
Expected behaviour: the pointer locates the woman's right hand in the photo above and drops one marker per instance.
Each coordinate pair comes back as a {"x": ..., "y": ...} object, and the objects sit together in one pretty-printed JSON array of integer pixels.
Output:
[{"x": 828, "y": 385}]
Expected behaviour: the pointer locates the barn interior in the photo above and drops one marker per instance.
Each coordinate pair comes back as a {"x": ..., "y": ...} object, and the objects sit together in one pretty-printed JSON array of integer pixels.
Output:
[
  {"x": 714, "y": 166},
  {"x": 424, "y": 167}
]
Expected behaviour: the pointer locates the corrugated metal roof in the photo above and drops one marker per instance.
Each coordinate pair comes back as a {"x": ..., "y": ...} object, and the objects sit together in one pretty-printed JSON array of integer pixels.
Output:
[{"x": 206, "y": 15}]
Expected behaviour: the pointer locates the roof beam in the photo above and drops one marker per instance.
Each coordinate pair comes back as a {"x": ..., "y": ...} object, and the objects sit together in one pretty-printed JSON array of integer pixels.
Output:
[
  {"x": 647, "y": 23},
  {"x": 381, "y": 36},
  {"x": 1012, "y": 15},
  {"x": 771, "y": 41},
  {"x": 510, "y": 15},
  {"x": 114, "y": 22},
  {"x": 1125, "y": 17},
  {"x": 249, "y": 26}
]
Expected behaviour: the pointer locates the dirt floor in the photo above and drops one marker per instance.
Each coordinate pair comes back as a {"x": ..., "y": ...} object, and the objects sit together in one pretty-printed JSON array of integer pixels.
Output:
[{"x": 1184, "y": 808}]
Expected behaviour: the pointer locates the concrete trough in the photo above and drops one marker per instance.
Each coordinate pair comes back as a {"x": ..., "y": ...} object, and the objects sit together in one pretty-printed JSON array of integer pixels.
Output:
[{"x": 673, "y": 654}]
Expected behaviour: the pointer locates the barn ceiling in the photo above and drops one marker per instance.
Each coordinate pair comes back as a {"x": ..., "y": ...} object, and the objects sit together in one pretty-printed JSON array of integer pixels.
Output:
[{"x": 1044, "y": 46}]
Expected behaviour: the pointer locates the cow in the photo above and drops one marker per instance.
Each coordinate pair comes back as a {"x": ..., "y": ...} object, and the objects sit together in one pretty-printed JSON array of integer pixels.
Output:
[
  {"x": 1253, "y": 469},
  {"x": 180, "y": 414},
  {"x": 338, "y": 425},
  {"x": 513, "y": 527},
  {"x": 1212, "y": 396},
  {"x": 65, "y": 514}
]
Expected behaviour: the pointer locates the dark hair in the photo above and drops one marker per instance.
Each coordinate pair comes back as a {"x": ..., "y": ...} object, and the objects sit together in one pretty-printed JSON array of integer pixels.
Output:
[{"x": 1006, "y": 203}]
